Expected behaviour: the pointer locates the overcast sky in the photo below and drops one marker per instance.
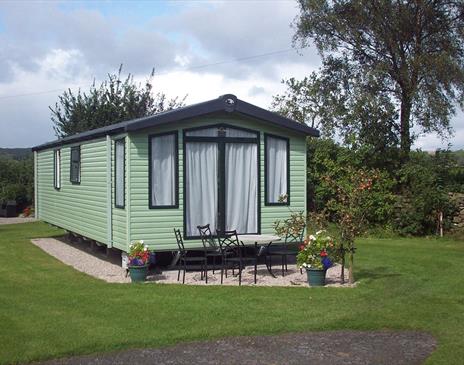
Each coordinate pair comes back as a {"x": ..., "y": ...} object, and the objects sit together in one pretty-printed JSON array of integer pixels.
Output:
[{"x": 47, "y": 47}]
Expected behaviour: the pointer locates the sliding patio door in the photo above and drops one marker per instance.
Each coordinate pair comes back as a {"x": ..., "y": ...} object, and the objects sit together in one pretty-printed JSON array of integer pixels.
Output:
[
  {"x": 221, "y": 180},
  {"x": 201, "y": 186},
  {"x": 241, "y": 187}
]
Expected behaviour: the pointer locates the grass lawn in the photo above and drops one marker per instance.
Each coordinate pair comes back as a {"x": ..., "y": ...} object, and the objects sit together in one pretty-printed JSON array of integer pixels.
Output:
[{"x": 49, "y": 310}]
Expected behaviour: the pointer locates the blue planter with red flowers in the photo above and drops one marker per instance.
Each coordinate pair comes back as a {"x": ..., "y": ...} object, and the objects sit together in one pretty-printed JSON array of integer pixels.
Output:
[
  {"x": 316, "y": 277},
  {"x": 139, "y": 260},
  {"x": 138, "y": 273}
]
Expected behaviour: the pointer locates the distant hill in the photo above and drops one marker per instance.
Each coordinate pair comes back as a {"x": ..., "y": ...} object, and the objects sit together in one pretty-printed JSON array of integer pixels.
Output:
[{"x": 16, "y": 153}]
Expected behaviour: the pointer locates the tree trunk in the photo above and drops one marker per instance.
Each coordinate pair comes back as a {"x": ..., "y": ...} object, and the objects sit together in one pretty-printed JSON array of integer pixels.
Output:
[
  {"x": 350, "y": 270},
  {"x": 405, "y": 126}
]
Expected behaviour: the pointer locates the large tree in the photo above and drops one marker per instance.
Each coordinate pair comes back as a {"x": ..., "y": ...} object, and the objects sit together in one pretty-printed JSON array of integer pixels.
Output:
[
  {"x": 405, "y": 54},
  {"x": 114, "y": 100}
]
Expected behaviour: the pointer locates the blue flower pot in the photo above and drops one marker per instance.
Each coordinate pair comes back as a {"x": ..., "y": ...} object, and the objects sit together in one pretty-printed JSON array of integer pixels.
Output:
[
  {"x": 138, "y": 274},
  {"x": 316, "y": 277}
]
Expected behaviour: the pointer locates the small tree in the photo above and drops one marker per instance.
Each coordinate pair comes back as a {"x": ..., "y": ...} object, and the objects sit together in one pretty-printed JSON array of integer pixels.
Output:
[
  {"x": 115, "y": 100},
  {"x": 349, "y": 205}
]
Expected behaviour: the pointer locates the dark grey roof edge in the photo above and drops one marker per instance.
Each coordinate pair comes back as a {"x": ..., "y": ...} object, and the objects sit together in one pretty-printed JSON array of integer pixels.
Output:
[{"x": 225, "y": 103}]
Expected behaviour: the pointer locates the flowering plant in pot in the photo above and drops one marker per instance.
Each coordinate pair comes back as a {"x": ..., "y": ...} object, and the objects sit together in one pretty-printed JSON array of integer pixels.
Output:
[
  {"x": 139, "y": 257},
  {"x": 317, "y": 254}
]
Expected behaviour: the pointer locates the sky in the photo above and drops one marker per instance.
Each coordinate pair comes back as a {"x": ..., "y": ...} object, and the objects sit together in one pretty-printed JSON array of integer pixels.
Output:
[{"x": 199, "y": 49}]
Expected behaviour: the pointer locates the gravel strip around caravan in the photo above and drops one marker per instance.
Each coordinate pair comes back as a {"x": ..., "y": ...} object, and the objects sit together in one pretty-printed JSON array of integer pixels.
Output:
[
  {"x": 317, "y": 348},
  {"x": 79, "y": 256},
  {"x": 16, "y": 220},
  {"x": 90, "y": 263}
]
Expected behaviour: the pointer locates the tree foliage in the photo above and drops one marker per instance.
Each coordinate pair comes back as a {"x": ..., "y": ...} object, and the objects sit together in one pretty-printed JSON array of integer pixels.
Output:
[
  {"x": 402, "y": 60},
  {"x": 405, "y": 199},
  {"x": 341, "y": 102},
  {"x": 349, "y": 203},
  {"x": 17, "y": 180},
  {"x": 114, "y": 100}
]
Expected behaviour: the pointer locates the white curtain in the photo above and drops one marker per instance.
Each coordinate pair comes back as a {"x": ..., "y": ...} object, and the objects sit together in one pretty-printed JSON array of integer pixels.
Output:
[
  {"x": 276, "y": 179},
  {"x": 163, "y": 170},
  {"x": 201, "y": 186},
  {"x": 119, "y": 188},
  {"x": 242, "y": 187}
]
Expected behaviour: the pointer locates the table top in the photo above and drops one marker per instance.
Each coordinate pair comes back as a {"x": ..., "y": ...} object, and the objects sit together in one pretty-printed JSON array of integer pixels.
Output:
[{"x": 258, "y": 238}]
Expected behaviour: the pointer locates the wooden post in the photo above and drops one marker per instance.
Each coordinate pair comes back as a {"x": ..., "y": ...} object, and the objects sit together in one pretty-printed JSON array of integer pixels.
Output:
[
  {"x": 342, "y": 276},
  {"x": 350, "y": 270},
  {"x": 440, "y": 222}
]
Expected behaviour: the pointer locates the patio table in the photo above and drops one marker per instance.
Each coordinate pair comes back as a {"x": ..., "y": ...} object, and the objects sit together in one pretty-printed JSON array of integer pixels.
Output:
[{"x": 261, "y": 243}]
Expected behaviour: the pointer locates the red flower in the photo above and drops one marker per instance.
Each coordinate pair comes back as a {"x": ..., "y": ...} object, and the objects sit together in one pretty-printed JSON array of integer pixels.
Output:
[{"x": 302, "y": 247}]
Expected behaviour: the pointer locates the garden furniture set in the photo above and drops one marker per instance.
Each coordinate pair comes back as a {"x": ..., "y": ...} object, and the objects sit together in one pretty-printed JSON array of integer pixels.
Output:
[{"x": 230, "y": 251}]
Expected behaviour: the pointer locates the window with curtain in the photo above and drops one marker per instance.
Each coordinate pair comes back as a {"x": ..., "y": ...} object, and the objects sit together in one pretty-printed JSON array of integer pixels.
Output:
[
  {"x": 241, "y": 188},
  {"x": 163, "y": 171},
  {"x": 57, "y": 169},
  {"x": 277, "y": 174},
  {"x": 75, "y": 168},
  {"x": 201, "y": 186},
  {"x": 119, "y": 163}
]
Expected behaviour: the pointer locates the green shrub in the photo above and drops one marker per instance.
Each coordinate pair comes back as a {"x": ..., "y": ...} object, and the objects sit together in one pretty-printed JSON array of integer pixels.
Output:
[
  {"x": 423, "y": 193},
  {"x": 326, "y": 158},
  {"x": 406, "y": 199},
  {"x": 17, "y": 180}
]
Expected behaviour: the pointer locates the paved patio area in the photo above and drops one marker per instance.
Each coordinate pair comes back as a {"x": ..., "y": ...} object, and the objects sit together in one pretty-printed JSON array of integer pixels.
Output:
[
  {"x": 96, "y": 264},
  {"x": 316, "y": 348}
]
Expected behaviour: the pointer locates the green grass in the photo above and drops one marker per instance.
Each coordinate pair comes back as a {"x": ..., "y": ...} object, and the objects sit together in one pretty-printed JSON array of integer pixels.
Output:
[{"x": 49, "y": 310}]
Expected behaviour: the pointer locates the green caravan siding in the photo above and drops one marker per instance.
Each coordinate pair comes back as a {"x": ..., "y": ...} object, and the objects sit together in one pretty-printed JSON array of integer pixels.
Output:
[
  {"x": 155, "y": 226},
  {"x": 80, "y": 208},
  {"x": 118, "y": 215}
]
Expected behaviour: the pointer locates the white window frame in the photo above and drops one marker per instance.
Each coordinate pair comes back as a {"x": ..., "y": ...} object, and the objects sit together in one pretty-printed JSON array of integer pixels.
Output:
[{"x": 57, "y": 169}]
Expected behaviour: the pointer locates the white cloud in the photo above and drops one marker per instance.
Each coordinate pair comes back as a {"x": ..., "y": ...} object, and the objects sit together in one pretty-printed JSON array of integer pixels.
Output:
[{"x": 45, "y": 47}]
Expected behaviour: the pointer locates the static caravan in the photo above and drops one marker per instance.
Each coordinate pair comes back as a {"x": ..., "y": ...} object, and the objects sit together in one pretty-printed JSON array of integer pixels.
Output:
[{"x": 223, "y": 162}]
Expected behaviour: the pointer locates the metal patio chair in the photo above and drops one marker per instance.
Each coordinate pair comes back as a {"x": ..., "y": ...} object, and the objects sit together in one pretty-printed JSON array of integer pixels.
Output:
[
  {"x": 184, "y": 259},
  {"x": 292, "y": 239},
  {"x": 210, "y": 246},
  {"x": 233, "y": 253}
]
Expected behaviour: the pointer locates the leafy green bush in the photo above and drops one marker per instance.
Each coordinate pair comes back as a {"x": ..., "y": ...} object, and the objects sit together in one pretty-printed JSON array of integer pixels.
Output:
[
  {"x": 423, "y": 193},
  {"x": 405, "y": 199},
  {"x": 326, "y": 158},
  {"x": 17, "y": 180}
]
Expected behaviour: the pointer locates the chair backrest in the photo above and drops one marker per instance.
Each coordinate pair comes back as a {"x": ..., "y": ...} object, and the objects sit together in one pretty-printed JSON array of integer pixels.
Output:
[
  {"x": 206, "y": 236},
  {"x": 294, "y": 236},
  {"x": 228, "y": 239},
  {"x": 180, "y": 241}
]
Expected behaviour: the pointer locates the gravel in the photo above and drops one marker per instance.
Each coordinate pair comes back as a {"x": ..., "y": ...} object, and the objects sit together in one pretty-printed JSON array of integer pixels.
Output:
[
  {"x": 75, "y": 255},
  {"x": 16, "y": 220},
  {"x": 109, "y": 269},
  {"x": 316, "y": 348}
]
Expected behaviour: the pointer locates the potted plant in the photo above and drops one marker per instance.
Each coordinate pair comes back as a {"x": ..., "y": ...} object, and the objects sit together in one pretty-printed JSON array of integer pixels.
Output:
[
  {"x": 139, "y": 257},
  {"x": 316, "y": 255}
]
